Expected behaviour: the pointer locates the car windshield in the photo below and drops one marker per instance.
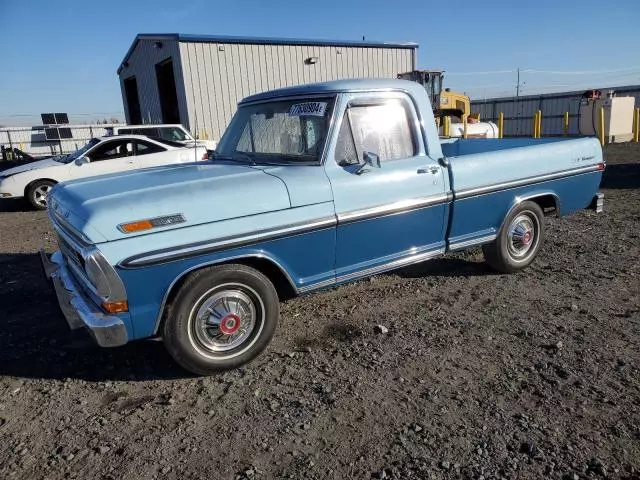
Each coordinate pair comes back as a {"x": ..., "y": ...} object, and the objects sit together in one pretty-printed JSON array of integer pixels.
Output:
[
  {"x": 278, "y": 132},
  {"x": 70, "y": 157}
]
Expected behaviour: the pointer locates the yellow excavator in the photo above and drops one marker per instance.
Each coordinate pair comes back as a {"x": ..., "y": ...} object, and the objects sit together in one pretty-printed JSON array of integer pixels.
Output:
[{"x": 445, "y": 103}]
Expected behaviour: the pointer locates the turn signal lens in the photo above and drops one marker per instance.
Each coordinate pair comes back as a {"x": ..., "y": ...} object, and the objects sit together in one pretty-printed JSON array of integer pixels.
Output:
[
  {"x": 205, "y": 155},
  {"x": 601, "y": 166},
  {"x": 116, "y": 307},
  {"x": 136, "y": 226}
]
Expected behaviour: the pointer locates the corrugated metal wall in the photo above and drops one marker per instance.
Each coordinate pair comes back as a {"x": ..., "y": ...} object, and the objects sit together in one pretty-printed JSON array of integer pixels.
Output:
[
  {"x": 518, "y": 112},
  {"x": 142, "y": 64},
  {"x": 217, "y": 76}
]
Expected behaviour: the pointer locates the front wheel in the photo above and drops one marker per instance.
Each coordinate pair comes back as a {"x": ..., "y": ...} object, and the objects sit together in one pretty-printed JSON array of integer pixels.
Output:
[
  {"x": 222, "y": 317},
  {"x": 519, "y": 239},
  {"x": 38, "y": 192}
]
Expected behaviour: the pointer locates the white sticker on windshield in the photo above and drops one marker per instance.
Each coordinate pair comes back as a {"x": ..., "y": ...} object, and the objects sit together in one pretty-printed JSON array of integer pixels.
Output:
[{"x": 315, "y": 109}]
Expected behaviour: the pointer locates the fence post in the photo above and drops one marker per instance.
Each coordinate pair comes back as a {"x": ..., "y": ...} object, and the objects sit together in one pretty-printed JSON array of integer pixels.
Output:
[
  {"x": 535, "y": 125},
  {"x": 10, "y": 146},
  {"x": 500, "y": 125},
  {"x": 602, "y": 126},
  {"x": 539, "y": 123},
  {"x": 446, "y": 127},
  {"x": 464, "y": 123},
  {"x": 636, "y": 131},
  {"x": 565, "y": 129}
]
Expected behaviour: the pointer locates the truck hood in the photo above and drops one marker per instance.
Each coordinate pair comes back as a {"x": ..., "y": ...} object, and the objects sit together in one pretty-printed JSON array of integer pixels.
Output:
[
  {"x": 47, "y": 162},
  {"x": 201, "y": 193}
]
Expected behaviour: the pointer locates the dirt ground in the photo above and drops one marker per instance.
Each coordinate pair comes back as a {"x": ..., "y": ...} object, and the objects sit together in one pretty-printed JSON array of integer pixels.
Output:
[{"x": 481, "y": 376}]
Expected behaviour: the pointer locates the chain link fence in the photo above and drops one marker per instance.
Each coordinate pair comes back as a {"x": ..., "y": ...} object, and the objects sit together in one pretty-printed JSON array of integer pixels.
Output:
[{"x": 27, "y": 143}]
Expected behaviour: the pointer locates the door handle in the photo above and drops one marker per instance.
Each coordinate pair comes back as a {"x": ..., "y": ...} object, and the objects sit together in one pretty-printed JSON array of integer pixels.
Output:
[{"x": 432, "y": 169}]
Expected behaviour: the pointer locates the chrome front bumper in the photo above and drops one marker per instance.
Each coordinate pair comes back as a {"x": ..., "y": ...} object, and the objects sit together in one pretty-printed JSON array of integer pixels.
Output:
[{"x": 107, "y": 330}]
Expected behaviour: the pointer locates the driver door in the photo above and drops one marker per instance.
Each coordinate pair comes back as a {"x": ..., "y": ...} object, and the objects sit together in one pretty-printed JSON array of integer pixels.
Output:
[
  {"x": 391, "y": 211},
  {"x": 111, "y": 156}
]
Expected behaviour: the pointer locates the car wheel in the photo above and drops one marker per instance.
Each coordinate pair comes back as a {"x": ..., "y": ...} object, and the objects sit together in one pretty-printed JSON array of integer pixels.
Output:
[
  {"x": 518, "y": 241},
  {"x": 38, "y": 192},
  {"x": 221, "y": 317}
]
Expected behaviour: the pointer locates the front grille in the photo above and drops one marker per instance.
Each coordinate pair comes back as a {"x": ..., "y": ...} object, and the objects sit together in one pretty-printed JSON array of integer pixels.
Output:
[{"x": 69, "y": 253}]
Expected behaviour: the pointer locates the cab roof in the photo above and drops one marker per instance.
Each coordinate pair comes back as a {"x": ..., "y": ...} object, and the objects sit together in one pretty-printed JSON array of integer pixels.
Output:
[{"x": 337, "y": 86}]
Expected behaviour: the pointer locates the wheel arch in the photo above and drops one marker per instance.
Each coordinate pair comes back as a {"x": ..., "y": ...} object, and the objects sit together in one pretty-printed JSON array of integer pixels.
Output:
[
  {"x": 274, "y": 271},
  {"x": 549, "y": 203},
  {"x": 28, "y": 186}
]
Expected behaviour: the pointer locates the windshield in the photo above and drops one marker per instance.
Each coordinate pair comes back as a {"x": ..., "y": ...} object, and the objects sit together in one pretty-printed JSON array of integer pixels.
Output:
[
  {"x": 284, "y": 132},
  {"x": 70, "y": 157}
]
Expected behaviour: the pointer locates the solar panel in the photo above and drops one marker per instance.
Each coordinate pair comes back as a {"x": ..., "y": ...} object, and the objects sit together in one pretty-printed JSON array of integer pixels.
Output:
[
  {"x": 52, "y": 134},
  {"x": 65, "y": 133},
  {"x": 61, "y": 118},
  {"x": 48, "y": 118}
]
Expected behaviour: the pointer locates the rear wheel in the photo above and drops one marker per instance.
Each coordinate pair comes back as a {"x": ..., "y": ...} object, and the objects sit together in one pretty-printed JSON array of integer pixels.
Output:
[
  {"x": 519, "y": 239},
  {"x": 222, "y": 317},
  {"x": 38, "y": 192}
]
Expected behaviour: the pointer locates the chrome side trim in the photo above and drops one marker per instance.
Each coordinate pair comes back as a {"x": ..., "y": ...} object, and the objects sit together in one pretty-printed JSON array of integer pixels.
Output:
[
  {"x": 401, "y": 206},
  {"x": 471, "y": 192},
  {"x": 316, "y": 286},
  {"x": 233, "y": 241},
  {"x": 472, "y": 242},
  {"x": 401, "y": 262},
  {"x": 216, "y": 262}
]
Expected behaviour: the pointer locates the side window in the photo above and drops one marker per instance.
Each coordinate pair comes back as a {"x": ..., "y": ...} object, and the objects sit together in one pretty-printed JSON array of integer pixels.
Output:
[
  {"x": 144, "y": 148},
  {"x": 346, "y": 153},
  {"x": 382, "y": 129},
  {"x": 111, "y": 150},
  {"x": 172, "y": 134}
]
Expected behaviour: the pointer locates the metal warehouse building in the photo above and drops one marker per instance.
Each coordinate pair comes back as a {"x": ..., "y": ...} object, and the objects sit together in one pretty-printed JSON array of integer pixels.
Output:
[{"x": 197, "y": 80}]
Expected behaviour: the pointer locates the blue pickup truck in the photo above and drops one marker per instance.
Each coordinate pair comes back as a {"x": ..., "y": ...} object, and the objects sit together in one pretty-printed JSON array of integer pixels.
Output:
[{"x": 310, "y": 187}]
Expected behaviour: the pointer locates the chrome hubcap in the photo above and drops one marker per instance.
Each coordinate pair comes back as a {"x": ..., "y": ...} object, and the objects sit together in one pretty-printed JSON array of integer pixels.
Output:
[
  {"x": 224, "y": 321},
  {"x": 522, "y": 235},
  {"x": 40, "y": 194}
]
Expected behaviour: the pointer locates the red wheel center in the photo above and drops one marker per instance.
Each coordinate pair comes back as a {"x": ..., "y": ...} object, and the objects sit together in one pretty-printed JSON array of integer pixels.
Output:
[
  {"x": 230, "y": 324},
  {"x": 526, "y": 238}
]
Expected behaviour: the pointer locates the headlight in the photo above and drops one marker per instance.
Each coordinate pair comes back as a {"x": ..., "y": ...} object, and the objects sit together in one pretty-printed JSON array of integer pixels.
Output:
[{"x": 105, "y": 281}]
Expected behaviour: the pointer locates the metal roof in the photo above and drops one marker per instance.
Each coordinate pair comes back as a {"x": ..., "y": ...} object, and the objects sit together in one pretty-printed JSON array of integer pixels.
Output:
[{"x": 180, "y": 37}]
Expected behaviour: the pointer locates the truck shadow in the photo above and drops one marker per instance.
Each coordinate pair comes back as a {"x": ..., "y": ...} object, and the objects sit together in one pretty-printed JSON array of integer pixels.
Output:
[
  {"x": 15, "y": 205},
  {"x": 621, "y": 176},
  {"x": 35, "y": 341}
]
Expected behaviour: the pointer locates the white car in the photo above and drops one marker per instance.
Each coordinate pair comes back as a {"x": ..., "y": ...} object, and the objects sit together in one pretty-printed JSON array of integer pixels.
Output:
[
  {"x": 98, "y": 157},
  {"x": 170, "y": 132}
]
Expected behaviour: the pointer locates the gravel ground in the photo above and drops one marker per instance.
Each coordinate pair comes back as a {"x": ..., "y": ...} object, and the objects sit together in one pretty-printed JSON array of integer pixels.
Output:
[{"x": 480, "y": 375}]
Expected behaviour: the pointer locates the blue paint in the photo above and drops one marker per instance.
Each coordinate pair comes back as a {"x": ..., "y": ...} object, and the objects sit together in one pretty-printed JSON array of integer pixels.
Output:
[
  {"x": 478, "y": 216},
  {"x": 307, "y": 258}
]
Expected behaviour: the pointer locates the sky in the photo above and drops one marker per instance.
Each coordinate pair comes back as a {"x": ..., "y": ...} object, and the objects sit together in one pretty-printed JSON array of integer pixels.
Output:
[{"x": 62, "y": 55}]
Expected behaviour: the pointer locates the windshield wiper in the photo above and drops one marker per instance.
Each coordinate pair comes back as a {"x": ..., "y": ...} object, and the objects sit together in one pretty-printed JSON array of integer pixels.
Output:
[{"x": 238, "y": 157}]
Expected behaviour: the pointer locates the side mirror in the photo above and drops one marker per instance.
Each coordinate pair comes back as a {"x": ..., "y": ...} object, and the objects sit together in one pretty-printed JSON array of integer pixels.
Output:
[
  {"x": 369, "y": 159},
  {"x": 82, "y": 160},
  {"x": 372, "y": 159}
]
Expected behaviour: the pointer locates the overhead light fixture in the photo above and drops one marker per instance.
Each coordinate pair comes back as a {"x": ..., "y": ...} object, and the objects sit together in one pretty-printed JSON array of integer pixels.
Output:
[{"x": 311, "y": 60}]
